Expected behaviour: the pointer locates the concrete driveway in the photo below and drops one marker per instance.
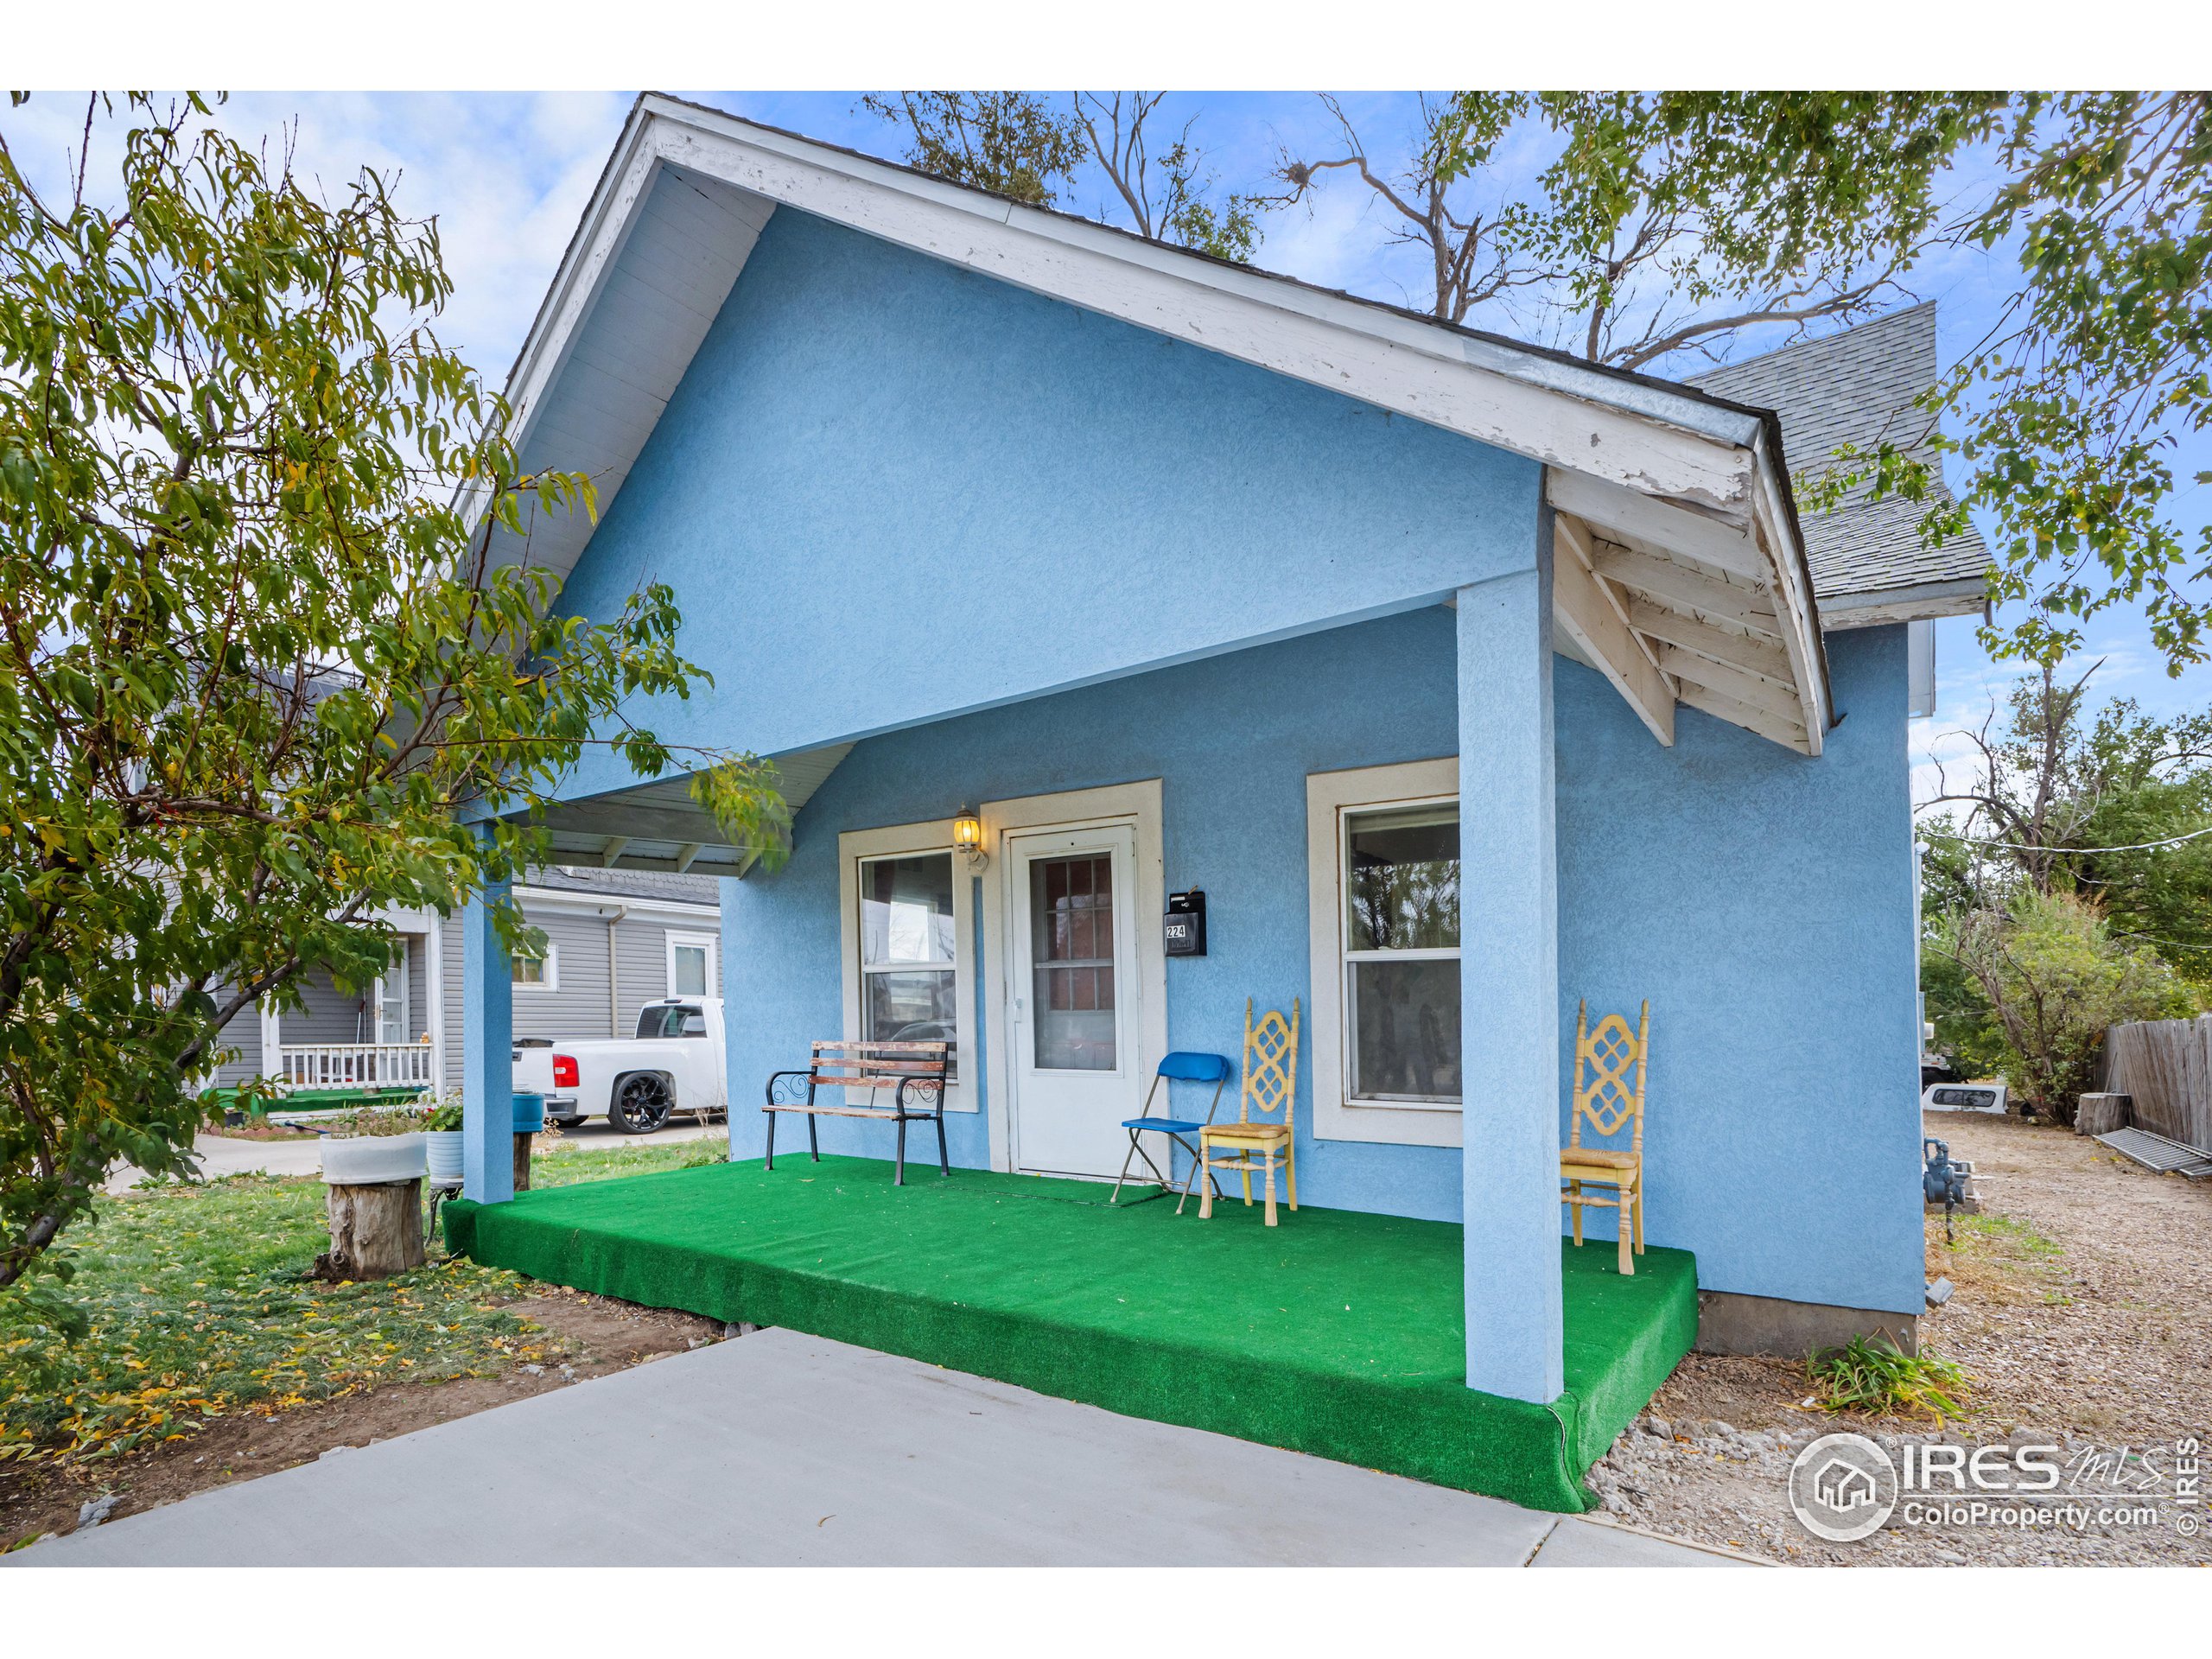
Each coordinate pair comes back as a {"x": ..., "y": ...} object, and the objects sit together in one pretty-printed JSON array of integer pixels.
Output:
[{"x": 780, "y": 1449}]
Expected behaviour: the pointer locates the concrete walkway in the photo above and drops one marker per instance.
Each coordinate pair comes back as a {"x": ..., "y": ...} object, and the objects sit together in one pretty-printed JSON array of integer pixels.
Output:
[{"x": 780, "y": 1449}]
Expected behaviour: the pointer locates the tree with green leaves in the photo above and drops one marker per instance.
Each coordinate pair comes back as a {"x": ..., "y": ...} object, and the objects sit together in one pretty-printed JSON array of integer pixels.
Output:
[
  {"x": 1661, "y": 226},
  {"x": 2112, "y": 805},
  {"x": 268, "y": 661},
  {"x": 2041, "y": 981},
  {"x": 1027, "y": 145},
  {"x": 1014, "y": 143}
]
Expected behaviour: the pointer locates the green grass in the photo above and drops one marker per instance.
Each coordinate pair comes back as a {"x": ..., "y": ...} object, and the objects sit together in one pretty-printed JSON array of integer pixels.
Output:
[
  {"x": 568, "y": 1163},
  {"x": 1338, "y": 1333},
  {"x": 201, "y": 1306},
  {"x": 2011, "y": 1235}
]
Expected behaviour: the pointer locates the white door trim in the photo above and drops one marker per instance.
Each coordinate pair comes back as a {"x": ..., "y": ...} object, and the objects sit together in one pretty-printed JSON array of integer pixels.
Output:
[{"x": 1138, "y": 804}]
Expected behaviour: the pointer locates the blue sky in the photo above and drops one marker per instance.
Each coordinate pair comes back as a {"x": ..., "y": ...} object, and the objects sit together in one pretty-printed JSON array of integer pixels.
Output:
[{"x": 508, "y": 175}]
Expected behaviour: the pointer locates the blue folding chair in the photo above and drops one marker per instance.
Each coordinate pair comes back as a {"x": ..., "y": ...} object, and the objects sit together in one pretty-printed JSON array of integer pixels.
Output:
[{"x": 1179, "y": 1067}]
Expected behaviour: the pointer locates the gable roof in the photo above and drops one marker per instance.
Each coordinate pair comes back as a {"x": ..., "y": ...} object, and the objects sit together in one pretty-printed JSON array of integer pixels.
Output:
[
  {"x": 1858, "y": 388},
  {"x": 1686, "y": 576}
]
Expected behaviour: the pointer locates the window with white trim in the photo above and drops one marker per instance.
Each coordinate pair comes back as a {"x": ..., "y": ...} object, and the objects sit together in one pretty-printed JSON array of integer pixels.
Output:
[
  {"x": 1384, "y": 896},
  {"x": 1399, "y": 945},
  {"x": 691, "y": 964},
  {"x": 537, "y": 973},
  {"x": 910, "y": 949}
]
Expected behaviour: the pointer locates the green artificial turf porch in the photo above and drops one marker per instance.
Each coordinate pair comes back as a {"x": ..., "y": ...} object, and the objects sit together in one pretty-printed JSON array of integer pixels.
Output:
[{"x": 1338, "y": 1333}]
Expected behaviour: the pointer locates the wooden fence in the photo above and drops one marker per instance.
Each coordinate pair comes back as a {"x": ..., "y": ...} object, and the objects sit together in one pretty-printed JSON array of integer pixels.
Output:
[{"x": 2165, "y": 1066}]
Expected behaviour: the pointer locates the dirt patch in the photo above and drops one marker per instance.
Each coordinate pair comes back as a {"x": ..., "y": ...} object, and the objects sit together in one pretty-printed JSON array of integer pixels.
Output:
[
  {"x": 262, "y": 1132},
  {"x": 594, "y": 1335},
  {"x": 2083, "y": 1313}
]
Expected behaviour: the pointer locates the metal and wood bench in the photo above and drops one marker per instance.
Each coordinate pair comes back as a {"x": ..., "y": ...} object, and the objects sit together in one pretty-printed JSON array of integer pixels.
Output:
[{"x": 915, "y": 1073}]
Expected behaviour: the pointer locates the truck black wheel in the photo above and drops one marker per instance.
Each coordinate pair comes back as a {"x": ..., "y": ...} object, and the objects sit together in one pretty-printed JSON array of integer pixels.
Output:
[{"x": 642, "y": 1103}]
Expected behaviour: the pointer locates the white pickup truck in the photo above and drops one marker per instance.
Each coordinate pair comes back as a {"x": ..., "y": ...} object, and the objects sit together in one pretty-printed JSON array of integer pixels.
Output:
[{"x": 675, "y": 1064}]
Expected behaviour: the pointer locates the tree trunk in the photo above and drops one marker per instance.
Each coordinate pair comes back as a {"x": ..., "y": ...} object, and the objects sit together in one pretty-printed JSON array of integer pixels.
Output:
[
  {"x": 522, "y": 1161},
  {"x": 375, "y": 1232},
  {"x": 2100, "y": 1113}
]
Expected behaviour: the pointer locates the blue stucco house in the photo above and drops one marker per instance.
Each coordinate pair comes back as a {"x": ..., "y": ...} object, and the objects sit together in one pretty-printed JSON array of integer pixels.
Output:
[{"x": 1179, "y": 576}]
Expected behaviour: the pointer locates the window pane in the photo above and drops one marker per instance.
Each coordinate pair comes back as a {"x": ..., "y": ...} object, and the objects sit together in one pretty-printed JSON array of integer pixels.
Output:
[
  {"x": 690, "y": 971},
  {"x": 1071, "y": 951},
  {"x": 528, "y": 970},
  {"x": 1401, "y": 880},
  {"x": 660, "y": 1019},
  {"x": 908, "y": 1005},
  {"x": 1405, "y": 1030},
  {"x": 906, "y": 910}
]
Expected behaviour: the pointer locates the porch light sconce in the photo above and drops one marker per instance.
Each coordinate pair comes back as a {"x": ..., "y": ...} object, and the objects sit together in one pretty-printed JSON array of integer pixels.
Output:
[{"x": 967, "y": 838}]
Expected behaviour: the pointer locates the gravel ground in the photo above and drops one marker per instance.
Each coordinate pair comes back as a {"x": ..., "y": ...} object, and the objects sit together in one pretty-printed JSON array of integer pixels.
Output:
[{"x": 2083, "y": 1316}]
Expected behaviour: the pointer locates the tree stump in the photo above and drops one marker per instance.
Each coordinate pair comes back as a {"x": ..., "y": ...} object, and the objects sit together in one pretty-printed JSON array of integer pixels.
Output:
[
  {"x": 375, "y": 1232},
  {"x": 522, "y": 1161},
  {"x": 2101, "y": 1114}
]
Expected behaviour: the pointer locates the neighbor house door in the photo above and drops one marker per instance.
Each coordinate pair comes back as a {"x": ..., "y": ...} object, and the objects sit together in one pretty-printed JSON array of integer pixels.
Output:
[
  {"x": 1072, "y": 994},
  {"x": 391, "y": 1001}
]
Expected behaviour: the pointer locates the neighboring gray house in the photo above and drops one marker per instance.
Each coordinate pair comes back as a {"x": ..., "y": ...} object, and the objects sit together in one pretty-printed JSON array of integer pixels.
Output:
[{"x": 614, "y": 938}]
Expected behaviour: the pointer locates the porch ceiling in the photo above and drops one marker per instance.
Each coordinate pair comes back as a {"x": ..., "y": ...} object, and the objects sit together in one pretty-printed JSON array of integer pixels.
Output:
[{"x": 657, "y": 826}]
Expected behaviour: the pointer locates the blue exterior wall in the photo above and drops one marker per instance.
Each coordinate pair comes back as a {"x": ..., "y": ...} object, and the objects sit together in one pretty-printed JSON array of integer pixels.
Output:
[
  {"x": 1762, "y": 901},
  {"x": 888, "y": 489}
]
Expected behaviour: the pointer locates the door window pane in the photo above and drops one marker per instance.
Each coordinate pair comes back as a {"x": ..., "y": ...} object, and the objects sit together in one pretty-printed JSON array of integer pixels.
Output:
[
  {"x": 1401, "y": 880},
  {"x": 1404, "y": 1018},
  {"x": 1071, "y": 957}
]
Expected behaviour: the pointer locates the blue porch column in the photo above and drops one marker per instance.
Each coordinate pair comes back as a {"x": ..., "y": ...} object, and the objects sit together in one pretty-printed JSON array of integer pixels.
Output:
[
  {"x": 487, "y": 1071},
  {"x": 1509, "y": 988}
]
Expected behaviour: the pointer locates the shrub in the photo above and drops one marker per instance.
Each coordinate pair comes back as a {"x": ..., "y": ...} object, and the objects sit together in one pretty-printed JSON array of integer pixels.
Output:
[
  {"x": 2052, "y": 977},
  {"x": 1874, "y": 1375}
]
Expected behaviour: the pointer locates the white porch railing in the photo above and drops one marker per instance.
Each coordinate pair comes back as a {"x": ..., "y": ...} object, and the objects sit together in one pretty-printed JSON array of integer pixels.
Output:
[{"x": 354, "y": 1065}]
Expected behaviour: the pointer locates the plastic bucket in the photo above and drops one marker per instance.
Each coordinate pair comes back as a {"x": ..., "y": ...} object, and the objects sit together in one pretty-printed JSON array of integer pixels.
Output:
[
  {"x": 443, "y": 1148},
  {"x": 530, "y": 1114},
  {"x": 367, "y": 1159}
]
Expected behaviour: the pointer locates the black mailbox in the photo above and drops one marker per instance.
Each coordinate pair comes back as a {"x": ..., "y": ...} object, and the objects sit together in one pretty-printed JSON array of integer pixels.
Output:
[{"x": 1185, "y": 931}]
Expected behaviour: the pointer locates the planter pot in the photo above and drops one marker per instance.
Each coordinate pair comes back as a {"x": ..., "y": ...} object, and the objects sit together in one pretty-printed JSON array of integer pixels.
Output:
[
  {"x": 366, "y": 1160},
  {"x": 443, "y": 1149},
  {"x": 530, "y": 1114}
]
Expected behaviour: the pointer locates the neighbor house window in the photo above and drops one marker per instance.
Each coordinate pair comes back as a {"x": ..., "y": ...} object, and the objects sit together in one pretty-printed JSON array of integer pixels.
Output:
[
  {"x": 909, "y": 950},
  {"x": 691, "y": 964},
  {"x": 539, "y": 973},
  {"x": 1401, "y": 953}
]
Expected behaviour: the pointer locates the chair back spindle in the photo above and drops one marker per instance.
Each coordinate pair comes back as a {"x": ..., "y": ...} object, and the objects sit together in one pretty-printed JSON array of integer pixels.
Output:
[
  {"x": 1608, "y": 1065},
  {"x": 1270, "y": 1091}
]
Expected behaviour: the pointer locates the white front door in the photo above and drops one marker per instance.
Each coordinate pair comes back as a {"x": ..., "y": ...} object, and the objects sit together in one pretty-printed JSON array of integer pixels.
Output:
[{"x": 1071, "y": 990}]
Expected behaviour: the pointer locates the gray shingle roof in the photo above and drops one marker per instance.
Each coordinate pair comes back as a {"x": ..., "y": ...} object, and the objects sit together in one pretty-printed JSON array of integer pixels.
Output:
[
  {"x": 629, "y": 883},
  {"x": 1856, "y": 387}
]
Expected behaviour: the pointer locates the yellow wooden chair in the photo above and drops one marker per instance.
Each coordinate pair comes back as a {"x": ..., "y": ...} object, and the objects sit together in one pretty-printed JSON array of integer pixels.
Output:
[
  {"x": 1255, "y": 1140},
  {"x": 1608, "y": 1100}
]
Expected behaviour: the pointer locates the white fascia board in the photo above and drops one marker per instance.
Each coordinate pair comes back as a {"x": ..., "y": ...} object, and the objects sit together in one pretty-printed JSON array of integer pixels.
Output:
[
  {"x": 1792, "y": 589},
  {"x": 567, "y": 898},
  {"x": 1671, "y": 445},
  {"x": 1922, "y": 602}
]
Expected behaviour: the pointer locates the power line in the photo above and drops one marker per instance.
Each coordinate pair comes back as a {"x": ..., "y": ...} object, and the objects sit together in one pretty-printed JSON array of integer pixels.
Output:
[{"x": 2074, "y": 852}]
